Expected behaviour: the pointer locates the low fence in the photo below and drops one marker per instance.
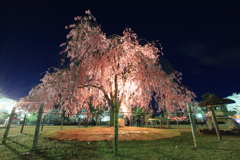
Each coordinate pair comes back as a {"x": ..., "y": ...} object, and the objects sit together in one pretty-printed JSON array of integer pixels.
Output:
[{"x": 126, "y": 119}]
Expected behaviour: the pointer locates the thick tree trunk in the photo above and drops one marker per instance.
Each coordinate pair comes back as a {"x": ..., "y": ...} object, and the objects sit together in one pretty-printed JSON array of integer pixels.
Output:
[
  {"x": 116, "y": 128},
  {"x": 146, "y": 122},
  {"x": 147, "y": 115}
]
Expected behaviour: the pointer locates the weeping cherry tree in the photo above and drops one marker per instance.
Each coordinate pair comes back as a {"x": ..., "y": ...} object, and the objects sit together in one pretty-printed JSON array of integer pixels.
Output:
[{"x": 109, "y": 71}]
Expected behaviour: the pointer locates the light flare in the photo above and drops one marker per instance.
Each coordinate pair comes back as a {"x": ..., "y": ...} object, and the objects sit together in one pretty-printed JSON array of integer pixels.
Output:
[{"x": 6, "y": 105}]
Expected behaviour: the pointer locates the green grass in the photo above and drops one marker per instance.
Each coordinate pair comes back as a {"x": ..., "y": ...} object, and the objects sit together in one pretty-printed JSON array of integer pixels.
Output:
[{"x": 176, "y": 148}]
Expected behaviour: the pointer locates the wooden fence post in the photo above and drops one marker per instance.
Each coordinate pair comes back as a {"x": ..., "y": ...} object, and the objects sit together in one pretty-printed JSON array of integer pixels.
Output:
[
  {"x": 130, "y": 120},
  {"x": 215, "y": 123},
  {"x": 8, "y": 126},
  {"x": 177, "y": 123},
  {"x": 193, "y": 125},
  {"x": 63, "y": 116},
  {"x": 38, "y": 124},
  {"x": 24, "y": 120},
  {"x": 43, "y": 123},
  {"x": 79, "y": 122},
  {"x": 161, "y": 123},
  {"x": 168, "y": 124}
]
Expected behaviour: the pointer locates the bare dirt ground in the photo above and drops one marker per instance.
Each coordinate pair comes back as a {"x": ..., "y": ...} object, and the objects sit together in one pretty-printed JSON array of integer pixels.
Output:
[{"x": 107, "y": 133}]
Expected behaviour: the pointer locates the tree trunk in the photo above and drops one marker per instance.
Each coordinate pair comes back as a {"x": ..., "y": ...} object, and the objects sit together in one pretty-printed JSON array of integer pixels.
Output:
[
  {"x": 130, "y": 120},
  {"x": 147, "y": 115},
  {"x": 96, "y": 120},
  {"x": 116, "y": 128},
  {"x": 169, "y": 124}
]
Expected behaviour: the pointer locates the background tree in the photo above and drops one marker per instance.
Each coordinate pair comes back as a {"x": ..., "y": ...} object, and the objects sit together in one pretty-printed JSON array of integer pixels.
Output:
[
  {"x": 205, "y": 96},
  {"x": 234, "y": 106},
  {"x": 53, "y": 116},
  {"x": 32, "y": 118},
  {"x": 112, "y": 70},
  {"x": 96, "y": 112},
  {"x": 197, "y": 109}
]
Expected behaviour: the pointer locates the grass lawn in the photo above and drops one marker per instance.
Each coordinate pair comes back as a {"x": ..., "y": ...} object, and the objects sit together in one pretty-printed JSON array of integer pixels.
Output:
[{"x": 181, "y": 147}]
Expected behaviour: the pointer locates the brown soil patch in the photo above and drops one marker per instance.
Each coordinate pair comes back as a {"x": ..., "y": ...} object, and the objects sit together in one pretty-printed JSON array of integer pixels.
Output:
[{"x": 107, "y": 133}]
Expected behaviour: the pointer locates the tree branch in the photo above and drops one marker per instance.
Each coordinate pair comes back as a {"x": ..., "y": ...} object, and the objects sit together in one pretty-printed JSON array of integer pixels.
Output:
[
  {"x": 121, "y": 100},
  {"x": 116, "y": 88},
  {"x": 100, "y": 88}
]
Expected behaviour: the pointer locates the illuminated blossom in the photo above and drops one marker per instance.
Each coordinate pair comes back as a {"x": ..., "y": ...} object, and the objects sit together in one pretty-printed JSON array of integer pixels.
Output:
[
  {"x": 88, "y": 12},
  {"x": 109, "y": 70}
]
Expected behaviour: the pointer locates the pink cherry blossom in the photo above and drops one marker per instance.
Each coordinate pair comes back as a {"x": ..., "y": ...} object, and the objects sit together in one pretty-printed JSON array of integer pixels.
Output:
[{"x": 108, "y": 70}]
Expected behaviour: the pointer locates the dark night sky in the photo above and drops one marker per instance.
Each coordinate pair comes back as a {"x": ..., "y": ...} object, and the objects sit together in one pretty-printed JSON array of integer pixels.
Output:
[{"x": 200, "y": 38}]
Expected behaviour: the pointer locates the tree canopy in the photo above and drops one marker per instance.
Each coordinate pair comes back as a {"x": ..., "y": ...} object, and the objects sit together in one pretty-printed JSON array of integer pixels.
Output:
[{"x": 108, "y": 70}]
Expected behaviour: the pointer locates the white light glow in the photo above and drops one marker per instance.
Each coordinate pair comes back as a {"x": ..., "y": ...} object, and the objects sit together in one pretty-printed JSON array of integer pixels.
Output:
[
  {"x": 199, "y": 115},
  {"x": 125, "y": 110},
  {"x": 6, "y": 105}
]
